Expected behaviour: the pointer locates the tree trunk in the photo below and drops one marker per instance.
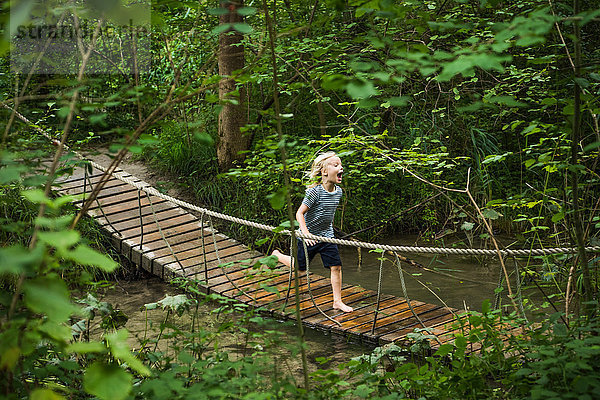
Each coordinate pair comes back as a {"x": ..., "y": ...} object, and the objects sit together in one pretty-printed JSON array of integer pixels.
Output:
[{"x": 232, "y": 116}]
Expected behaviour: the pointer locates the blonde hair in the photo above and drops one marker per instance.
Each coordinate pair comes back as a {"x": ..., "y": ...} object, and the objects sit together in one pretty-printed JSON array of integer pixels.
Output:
[{"x": 318, "y": 164}]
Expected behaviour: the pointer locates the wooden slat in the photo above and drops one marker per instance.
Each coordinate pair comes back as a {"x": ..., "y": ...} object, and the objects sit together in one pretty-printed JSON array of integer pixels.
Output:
[
  {"x": 267, "y": 298},
  {"x": 194, "y": 256},
  {"x": 352, "y": 296},
  {"x": 77, "y": 186},
  {"x": 76, "y": 177},
  {"x": 127, "y": 208}
]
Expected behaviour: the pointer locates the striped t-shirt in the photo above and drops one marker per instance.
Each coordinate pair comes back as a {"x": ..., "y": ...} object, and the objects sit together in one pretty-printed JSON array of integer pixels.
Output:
[{"x": 321, "y": 209}]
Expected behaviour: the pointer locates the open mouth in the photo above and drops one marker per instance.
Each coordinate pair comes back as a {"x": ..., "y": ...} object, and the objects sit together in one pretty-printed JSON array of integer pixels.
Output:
[{"x": 339, "y": 175}]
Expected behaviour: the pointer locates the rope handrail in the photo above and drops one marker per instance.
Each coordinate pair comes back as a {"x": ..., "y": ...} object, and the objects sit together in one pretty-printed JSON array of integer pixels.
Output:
[{"x": 351, "y": 243}]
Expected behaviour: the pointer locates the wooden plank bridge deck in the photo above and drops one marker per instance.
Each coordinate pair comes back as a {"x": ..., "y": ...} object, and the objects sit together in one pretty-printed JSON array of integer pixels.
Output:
[{"x": 176, "y": 250}]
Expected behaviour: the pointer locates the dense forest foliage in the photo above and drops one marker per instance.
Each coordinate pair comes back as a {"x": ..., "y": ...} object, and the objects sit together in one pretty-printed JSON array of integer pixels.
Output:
[{"x": 453, "y": 118}]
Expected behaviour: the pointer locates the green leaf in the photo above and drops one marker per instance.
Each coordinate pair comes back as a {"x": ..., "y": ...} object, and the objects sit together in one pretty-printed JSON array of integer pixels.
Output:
[
  {"x": 174, "y": 302},
  {"x": 467, "y": 226},
  {"x": 491, "y": 214},
  {"x": 60, "y": 239},
  {"x": 49, "y": 295},
  {"x": 146, "y": 139},
  {"x": 135, "y": 149},
  {"x": 62, "y": 200},
  {"x": 204, "y": 138},
  {"x": 107, "y": 381},
  {"x": 54, "y": 223},
  {"x": 34, "y": 180},
  {"x": 269, "y": 261},
  {"x": 277, "y": 199},
  {"x": 15, "y": 259},
  {"x": 218, "y": 11},
  {"x": 462, "y": 65},
  {"x": 444, "y": 350},
  {"x": 98, "y": 119},
  {"x": 260, "y": 242},
  {"x": 11, "y": 173},
  {"x": 268, "y": 288},
  {"x": 549, "y": 101},
  {"x": 506, "y": 100},
  {"x": 399, "y": 101},
  {"x": 56, "y": 330},
  {"x": 85, "y": 255},
  {"x": 117, "y": 343},
  {"x": 591, "y": 146},
  {"x": 333, "y": 82},
  {"x": 44, "y": 394},
  {"x": 558, "y": 217},
  {"x": 86, "y": 347},
  {"x": 368, "y": 103},
  {"x": 465, "y": 63},
  {"x": 359, "y": 89},
  {"x": 186, "y": 358},
  {"x": 361, "y": 65},
  {"x": 460, "y": 341},
  {"x": 245, "y": 11},
  {"x": 363, "y": 391},
  {"x": 36, "y": 196},
  {"x": 569, "y": 109},
  {"x": 242, "y": 27},
  {"x": 582, "y": 82},
  {"x": 63, "y": 112},
  {"x": 221, "y": 28}
]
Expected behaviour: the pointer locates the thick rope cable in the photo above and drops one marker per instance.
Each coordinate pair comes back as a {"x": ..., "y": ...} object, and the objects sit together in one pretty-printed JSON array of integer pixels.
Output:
[
  {"x": 290, "y": 274},
  {"x": 164, "y": 238},
  {"x": 351, "y": 243},
  {"x": 405, "y": 294},
  {"x": 88, "y": 180},
  {"x": 378, "y": 294},
  {"x": 222, "y": 266}
]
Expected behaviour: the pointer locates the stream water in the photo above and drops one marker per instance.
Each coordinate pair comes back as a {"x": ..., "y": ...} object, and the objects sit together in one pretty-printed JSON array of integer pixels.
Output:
[{"x": 457, "y": 281}]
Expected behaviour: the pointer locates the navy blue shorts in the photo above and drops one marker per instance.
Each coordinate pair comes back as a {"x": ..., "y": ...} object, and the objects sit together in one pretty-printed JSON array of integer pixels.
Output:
[{"x": 329, "y": 254}]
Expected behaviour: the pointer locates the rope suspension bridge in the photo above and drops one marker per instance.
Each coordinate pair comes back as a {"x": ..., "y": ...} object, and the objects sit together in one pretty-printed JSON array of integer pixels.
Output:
[{"x": 155, "y": 232}]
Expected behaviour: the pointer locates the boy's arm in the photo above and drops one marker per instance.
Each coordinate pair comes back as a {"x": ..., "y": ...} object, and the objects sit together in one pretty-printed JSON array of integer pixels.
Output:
[{"x": 302, "y": 222}]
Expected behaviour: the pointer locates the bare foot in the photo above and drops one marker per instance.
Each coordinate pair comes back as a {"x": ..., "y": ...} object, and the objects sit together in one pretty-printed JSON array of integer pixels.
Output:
[
  {"x": 276, "y": 253},
  {"x": 341, "y": 306}
]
